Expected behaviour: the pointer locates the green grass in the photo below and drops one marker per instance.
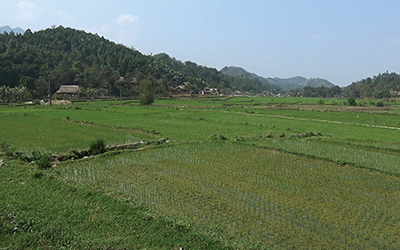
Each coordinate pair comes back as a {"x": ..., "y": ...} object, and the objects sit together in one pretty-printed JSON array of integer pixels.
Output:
[
  {"x": 365, "y": 157},
  {"x": 27, "y": 133},
  {"x": 38, "y": 211},
  {"x": 255, "y": 194},
  {"x": 171, "y": 122},
  {"x": 263, "y": 185}
]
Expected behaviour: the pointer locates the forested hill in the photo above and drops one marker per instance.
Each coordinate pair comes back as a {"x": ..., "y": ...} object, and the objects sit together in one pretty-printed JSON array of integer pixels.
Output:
[
  {"x": 381, "y": 86},
  {"x": 66, "y": 56},
  {"x": 202, "y": 76},
  {"x": 284, "y": 83}
]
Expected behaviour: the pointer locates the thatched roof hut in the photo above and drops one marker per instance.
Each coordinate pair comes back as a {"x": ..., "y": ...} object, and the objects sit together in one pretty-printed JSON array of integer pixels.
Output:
[{"x": 68, "y": 89}]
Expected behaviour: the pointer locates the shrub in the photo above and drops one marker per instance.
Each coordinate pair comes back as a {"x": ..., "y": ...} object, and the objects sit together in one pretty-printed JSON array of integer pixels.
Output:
[
  {"x": 7, "y": 150},
  {"x": 239, "y": 139},
  {"x": 321, "y": 102},
  {"x": 97, "y": 147},
  {"x": 44, "y": 161},
  {"x": 351, "y": 101},
  {"x": 215, "y": 137},
  {"x": 146, "y": 92},
  {"x": 380, "y": 104},
  {"x": 309, "y": 134}
]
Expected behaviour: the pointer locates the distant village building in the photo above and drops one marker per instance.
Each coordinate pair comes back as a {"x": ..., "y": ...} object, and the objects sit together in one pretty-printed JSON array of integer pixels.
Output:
[
  {"x": 68, "y": 90},
  {"x": 209, "y": 91},
  {"x": 180, "y": 89}
]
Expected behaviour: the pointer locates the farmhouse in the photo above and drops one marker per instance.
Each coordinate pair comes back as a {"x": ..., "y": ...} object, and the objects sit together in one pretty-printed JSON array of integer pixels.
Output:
[
  {"x": 68, "y": 90},
  {"x": 394, "y": 93},
  {"x": 180, "y": 89},
  {"x": 209, "y": 91}
]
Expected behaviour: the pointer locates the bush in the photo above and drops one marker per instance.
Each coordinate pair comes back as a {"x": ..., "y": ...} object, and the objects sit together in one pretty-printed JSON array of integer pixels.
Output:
[
  {"x": 380, "y": 104},
  {"x": 146, "y": 92},
  {"x": 97, "y": 147},
  {"x": 7, "y": 150},
  {"x": 216, "y": 137},
  {"x": 44, "y": 161},
  {"x": 351, "y": 101},
  {"x": 239, "y": 139},
  {"x": 321, "y": 102}
]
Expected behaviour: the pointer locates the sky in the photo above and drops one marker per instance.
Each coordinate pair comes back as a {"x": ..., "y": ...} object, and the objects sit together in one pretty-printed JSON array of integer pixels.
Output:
[{"x": 342, "y": 41}]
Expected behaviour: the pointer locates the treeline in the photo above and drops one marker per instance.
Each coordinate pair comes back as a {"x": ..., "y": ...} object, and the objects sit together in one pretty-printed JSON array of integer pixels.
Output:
[
  {"x": 203, "y": 76},
  {"x": 381, "y": 86},
  {"x": 65, "y": 56},
  {"x": 321, "y": 92}
]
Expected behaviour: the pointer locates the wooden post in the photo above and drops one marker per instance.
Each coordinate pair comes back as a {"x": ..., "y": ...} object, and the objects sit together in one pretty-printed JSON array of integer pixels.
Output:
[
  {"x": 49, "y": 92},
  {"x": 120, "y": 96}
]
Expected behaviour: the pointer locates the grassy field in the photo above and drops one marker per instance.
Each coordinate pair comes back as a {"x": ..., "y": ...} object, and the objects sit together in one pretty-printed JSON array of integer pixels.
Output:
[
  {"x": 247, "y": 172},
  {"x": 39, "y": 211}
]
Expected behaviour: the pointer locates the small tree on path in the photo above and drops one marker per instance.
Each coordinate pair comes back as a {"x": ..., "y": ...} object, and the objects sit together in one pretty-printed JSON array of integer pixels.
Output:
[{"x": 146, "y": 92}]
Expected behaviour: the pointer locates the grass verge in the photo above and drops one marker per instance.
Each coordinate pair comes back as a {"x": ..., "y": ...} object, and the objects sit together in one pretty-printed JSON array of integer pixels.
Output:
[{"x": 37, "y": 210}]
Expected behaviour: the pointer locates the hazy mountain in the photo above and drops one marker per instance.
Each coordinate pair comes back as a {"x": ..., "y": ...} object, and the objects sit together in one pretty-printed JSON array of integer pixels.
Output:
[
  {"x": 8, "y": 29},
  {"x": 284, "y": 83}
]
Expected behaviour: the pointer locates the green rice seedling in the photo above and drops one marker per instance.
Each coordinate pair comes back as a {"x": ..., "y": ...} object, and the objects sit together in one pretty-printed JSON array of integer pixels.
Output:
[
  {"x": 363, "y": 157},
  {"x": 192, "y": 180}
]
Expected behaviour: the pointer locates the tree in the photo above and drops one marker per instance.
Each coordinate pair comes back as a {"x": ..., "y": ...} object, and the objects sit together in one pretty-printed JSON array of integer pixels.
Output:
[
  {"x": 4, "y": 93},
  {"x": 146, "y": 92}
]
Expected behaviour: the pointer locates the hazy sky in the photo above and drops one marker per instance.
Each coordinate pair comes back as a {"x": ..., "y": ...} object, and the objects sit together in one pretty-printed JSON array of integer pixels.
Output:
[{"x": 341, "y": 41}]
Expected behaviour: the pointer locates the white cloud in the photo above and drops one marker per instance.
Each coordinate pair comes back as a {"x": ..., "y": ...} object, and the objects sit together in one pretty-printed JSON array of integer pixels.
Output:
[
  {"x": 28, "y": 10},
  {"x": 316, "y": 37},
  {"x": 27, "y": 6},
  {"x": 126, "y": 19},
  {"x": 124, "y": 29}
]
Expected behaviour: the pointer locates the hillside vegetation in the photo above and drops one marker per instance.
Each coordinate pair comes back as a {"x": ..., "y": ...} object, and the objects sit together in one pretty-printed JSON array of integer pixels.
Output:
[
  {"x": 33, "y": 61},
  {"x": 65, "y": 56},
  {"x": 384, "y": 85}
]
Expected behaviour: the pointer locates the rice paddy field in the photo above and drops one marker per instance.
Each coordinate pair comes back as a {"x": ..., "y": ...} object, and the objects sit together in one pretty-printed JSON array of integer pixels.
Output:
[{"x": 282, "y": 173}]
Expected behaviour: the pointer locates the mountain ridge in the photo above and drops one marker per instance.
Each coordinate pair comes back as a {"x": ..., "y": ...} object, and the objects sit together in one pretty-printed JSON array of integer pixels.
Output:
[
  {"x": 8, "y": 29},
  {"x": 284, "y": 83}
]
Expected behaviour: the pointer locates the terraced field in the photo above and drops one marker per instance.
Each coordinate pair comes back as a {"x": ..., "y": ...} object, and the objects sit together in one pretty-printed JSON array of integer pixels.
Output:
[{"x": 263, "y": 175}]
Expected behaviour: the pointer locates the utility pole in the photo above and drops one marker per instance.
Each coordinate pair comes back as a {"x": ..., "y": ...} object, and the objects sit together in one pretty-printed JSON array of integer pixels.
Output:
[
  {"x": 120, "y": 95},
  {"x": 49, "y": 93},
  {"x": 120, "y": 83}
]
